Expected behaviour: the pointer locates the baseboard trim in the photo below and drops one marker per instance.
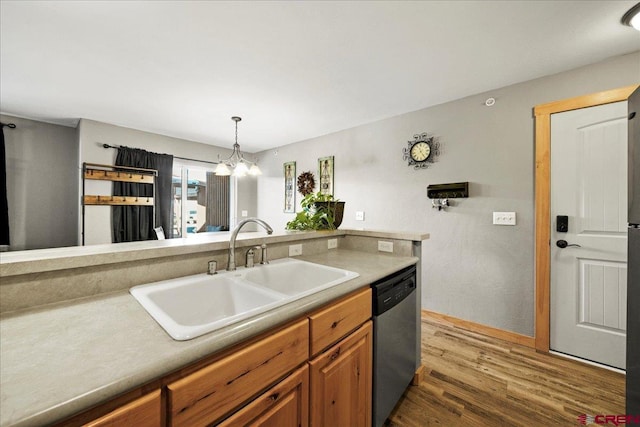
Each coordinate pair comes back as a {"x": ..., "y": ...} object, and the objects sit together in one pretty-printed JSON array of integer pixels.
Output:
[
  {"x": 481, "y": 329},
  {"x": 418, "y": 376}
]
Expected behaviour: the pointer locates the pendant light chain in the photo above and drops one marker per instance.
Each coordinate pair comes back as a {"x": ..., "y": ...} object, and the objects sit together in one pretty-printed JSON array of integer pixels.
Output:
[{"x": 236, "y": 131}]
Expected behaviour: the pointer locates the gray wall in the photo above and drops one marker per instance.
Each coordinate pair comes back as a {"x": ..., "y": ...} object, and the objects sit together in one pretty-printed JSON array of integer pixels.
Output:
[
  {"x": 42, "y": 187},
  {"x": 471, "y": 269},
  {"x": 93, "y": 134}
]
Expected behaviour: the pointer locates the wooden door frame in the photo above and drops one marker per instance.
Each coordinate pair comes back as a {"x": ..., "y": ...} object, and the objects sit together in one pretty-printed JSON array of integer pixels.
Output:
[{"x": 542, "y": 115}]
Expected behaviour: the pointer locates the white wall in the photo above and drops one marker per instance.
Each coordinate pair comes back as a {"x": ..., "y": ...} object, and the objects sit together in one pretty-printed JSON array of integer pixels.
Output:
[
  {"x": 93, "y": 134},
  {"x": 41, "y": 184},
  {"x": 472, "y": 269}
]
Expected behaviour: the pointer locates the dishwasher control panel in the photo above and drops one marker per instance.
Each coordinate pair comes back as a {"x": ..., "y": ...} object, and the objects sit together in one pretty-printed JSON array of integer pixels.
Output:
[{"x": 389, "y": 291}]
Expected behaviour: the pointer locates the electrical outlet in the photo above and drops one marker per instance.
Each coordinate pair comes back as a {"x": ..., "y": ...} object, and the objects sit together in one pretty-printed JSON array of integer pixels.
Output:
[
  {"x": 360, "y": 216},
  {"x": 244, "y": 214},
  {"x": 385, "y": 246},
  {"x": 504, "y": 218},
  {"x": 332, "y": 243},
  {"x": 295, "y": 250}
]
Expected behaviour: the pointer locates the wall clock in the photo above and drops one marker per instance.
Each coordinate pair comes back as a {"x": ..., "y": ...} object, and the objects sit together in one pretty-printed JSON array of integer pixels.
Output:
[{"x": 422, "y": 151}]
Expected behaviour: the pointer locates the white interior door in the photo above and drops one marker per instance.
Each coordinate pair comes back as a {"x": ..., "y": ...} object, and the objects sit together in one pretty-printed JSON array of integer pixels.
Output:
[{"x": 589, "y": 185}]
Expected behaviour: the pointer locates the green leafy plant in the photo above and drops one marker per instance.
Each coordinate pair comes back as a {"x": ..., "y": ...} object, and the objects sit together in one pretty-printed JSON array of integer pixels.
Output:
[{"x": 313, "y": 217}]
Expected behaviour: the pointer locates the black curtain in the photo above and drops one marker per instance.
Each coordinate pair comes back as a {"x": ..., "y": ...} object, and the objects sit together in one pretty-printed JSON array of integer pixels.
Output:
[
  {"x": 134, "y": 223},
  {"x": 4, "y": 205}
]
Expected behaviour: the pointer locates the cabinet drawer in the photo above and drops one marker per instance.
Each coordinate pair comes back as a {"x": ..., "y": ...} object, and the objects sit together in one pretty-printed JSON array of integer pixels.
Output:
[
  {"x": 284, "y": 405},
  {"x": 330, "y": 324},
  {"x": 212, "y": 392},
  {"x": 144, "y": 411}
]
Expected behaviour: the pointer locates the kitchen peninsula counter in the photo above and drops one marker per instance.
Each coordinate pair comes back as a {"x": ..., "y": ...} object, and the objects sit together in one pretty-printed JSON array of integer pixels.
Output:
[{"x": 63, "y": 358}]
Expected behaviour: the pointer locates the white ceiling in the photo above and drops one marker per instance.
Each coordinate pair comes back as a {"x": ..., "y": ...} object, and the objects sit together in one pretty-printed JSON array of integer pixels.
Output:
[{"x": 292, "y": 70}]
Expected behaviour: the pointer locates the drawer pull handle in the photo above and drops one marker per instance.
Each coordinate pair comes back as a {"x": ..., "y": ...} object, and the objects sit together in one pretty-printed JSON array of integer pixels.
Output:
[
  {"x": 274, "y": 397},
  {"x": 334, "y": 325}
]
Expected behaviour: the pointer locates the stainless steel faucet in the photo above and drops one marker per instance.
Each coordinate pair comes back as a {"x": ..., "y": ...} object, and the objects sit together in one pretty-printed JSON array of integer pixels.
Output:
[{"x": 231, "y": 265}]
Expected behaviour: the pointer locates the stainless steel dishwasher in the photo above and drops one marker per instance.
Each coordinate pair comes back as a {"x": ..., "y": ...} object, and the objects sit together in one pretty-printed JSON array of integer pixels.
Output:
[{"x": 394, "y": 340}]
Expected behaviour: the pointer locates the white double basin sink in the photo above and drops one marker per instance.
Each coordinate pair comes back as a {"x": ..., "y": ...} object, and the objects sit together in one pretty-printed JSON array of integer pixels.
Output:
[{"x": 191, "y": 306}]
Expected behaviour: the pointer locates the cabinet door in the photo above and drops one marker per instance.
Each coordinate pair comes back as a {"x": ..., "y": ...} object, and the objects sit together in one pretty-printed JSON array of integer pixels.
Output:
[
  {"x": 145, "y": 411},
  {"x": 341, "y": 382},
  {"x": 284, "y": 405}
]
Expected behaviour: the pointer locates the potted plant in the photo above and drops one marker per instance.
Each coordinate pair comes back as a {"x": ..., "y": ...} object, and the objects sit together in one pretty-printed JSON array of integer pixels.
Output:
[{"x": 319, "y": 212}]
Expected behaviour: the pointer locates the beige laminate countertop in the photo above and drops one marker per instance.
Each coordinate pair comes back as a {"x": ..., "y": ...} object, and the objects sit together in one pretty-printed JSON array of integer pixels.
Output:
[
  {"x": 43, "y": 260},
  {"x": 61, "y": 359}
]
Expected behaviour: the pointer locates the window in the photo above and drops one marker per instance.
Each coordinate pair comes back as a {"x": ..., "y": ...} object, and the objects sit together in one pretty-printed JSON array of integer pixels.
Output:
[{"x": 201, "y": 200}]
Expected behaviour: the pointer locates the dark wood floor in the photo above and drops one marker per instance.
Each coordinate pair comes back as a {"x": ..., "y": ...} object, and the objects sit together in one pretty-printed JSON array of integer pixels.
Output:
[{"x": 474, "y": 380}]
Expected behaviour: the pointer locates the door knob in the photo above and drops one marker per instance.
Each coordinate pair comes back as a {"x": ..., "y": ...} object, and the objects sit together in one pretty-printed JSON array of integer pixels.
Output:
[{"x": 563, "y": 244}]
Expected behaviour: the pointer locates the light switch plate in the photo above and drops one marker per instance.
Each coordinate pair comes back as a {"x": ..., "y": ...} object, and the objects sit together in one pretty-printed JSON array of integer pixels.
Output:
[
  {"x": 244, "y": 214},
  {"x": 385, "y": 246},
  {"x": 360, "y": 216},
  {"x": 332, "y": 243},
  {"x": 295, "y": 250},
  {"x": 504, "y": 218}
]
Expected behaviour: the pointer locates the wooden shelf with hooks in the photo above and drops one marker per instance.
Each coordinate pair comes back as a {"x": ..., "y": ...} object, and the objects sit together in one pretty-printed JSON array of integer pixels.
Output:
[
  {"x": 104, "y": 175},
  {"x": 94, "y": 171},
  {"x": 118, "y": 200},
  {"x": 122, "y": 174}
]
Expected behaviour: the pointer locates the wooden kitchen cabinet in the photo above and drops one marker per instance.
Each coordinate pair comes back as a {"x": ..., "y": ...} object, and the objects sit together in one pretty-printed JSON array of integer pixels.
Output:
[
  {"x": 284, "y": 405},
  {"x": 341, "y": 375},
  {"x": 212, "y": 392},
  {"x": 314, "y": 371},
  {"x": 340, "y": 378},
  {"x": 145, "y": 411},
  {"x": 341, "y": 381}
]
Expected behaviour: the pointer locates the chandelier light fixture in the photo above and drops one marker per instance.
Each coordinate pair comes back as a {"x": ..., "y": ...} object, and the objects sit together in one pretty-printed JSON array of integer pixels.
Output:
[
  {"x": 632, "y": 17},
  {"x": 236, "y": 164}
]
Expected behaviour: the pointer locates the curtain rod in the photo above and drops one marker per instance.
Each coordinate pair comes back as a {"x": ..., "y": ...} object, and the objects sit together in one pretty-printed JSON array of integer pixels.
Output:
[
  {"x": 9, "y": 125},
  {"x": 175, "y": 157}
]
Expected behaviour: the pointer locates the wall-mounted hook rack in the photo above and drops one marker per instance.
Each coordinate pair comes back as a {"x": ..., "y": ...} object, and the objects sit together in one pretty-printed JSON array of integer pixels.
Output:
[
  {"x": 94, "y": 171},
  {"x": 441, "y": 193},
  {"x": 448, "y": 191},
  {"x": 109, "y": 173}
]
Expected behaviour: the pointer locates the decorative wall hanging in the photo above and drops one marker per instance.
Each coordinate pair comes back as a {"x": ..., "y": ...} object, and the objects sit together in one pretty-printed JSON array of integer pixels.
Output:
[
  {"x": 422, "y": 151},
  {"x": 289, "y": 191},
  {"x": 325, "y": 171},
  {"x": 306, "y": 183}
]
